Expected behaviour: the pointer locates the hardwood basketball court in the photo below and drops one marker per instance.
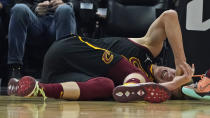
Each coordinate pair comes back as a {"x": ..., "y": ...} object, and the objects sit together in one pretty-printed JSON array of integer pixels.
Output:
[{"x": 35, "y": 107}]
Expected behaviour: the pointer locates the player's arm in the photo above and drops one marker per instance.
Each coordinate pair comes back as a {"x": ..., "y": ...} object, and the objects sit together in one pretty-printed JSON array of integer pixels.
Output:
[{"x": 180, "y": 80}]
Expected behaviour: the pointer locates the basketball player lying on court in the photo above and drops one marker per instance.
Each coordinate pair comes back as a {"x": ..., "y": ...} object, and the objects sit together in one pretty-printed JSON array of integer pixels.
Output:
[{"x": 77, "y": 68}]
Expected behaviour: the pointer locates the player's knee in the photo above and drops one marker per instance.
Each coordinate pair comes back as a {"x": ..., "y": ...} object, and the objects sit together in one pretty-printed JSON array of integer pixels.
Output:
[
  {"x": 135, "y": 78},
  {"x": 170, "y": 15}
]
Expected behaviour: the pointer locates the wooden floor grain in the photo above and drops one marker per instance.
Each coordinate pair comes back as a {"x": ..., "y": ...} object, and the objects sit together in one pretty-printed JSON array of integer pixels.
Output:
[{"x": 19, "y": 107}]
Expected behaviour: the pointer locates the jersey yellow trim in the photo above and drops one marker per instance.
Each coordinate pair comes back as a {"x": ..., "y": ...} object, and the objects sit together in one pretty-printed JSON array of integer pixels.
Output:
[
  {"x": 151, "y": 69},
  {"x": 138, "y": 62},
  {"x": 94, "y": 47},
  {"x": 107, "y": 56},
  {"x": 124, "y": 57}
]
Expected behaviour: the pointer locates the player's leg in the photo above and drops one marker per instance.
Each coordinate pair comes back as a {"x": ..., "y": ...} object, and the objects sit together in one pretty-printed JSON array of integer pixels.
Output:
[
  {"x": 135, "y": 88},
  {"x": 94, "y": 88},
  {"x": 77, "y": 54},
  {"x": 166, "y": 26}
]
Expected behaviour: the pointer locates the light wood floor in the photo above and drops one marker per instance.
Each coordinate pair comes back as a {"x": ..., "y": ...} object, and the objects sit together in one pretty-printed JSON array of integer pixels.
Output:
[{"x": 19, "y": 107}]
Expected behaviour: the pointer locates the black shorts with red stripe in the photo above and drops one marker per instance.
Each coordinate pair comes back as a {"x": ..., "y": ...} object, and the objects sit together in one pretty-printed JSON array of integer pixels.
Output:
[{"x": 79, "y": 59}]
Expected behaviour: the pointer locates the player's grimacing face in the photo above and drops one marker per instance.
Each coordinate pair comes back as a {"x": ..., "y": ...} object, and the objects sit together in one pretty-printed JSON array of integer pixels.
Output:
[{"x": 164, "y": 74}]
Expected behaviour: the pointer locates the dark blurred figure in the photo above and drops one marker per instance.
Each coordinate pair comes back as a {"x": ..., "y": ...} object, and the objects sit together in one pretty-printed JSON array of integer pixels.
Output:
[
  {"x": 173, "y": 4},
  {"x": 5, "y": 6}
]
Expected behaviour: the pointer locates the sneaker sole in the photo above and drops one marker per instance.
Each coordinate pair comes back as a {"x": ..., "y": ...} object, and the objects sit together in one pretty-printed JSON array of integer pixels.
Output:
[
  {"x": 150, "y": 92},
  {"x": 191, "y": 93},
  {"x": 26, "y": 86},
  {"x": 12, "y": 86}
]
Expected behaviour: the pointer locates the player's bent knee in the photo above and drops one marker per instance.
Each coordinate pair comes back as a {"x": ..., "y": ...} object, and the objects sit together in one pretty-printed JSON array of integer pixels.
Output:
[
  {"x": 170, "y": 15},
  {"x": 135, "y": 76}
]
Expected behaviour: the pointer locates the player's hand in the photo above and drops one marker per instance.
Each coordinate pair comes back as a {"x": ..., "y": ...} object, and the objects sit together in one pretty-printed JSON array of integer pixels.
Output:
[
  {"x": 42, "y": 8},
  {"x": 55, "y": 3},
  {"x": 179, "y": 70},
  {"x": 186, "y": 76}
]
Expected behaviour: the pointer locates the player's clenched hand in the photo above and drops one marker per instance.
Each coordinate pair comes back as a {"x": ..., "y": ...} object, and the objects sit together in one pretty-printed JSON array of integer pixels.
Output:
[
  {"x": 179, "y": 70},
  {"x": 186, "y": 76}
]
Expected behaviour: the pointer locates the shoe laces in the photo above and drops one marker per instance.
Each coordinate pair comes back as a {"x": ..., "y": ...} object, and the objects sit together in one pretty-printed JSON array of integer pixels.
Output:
[
  {"x": 195, "y": 85},
  {"x": 202, "y": 80},
  {"x": 38, "y": 91}
]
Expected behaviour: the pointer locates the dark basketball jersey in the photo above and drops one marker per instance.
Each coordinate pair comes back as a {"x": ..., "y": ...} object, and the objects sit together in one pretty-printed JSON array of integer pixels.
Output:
[
  {"x": 93, "y": 57},
  {"x": 138, "y": 55}
]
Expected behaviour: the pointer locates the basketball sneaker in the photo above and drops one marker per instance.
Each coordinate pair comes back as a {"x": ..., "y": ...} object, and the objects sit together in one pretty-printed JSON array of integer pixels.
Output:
[
  {"x": 27, "y": 86},
  {"x": 150, "y": 92},
  {"x": 12, "y": 86},
  {"x": 198, "y": 90}
]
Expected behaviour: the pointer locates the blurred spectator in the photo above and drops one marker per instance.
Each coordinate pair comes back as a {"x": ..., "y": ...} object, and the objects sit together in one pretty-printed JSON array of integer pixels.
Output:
[
  {"x": 176, "y": 3},
  {"x": 173, "y": 4},
  {"x": 5, "y": 6},
  {"x": 1, "y": 28},
  {"x": 34, "y": 18}
]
